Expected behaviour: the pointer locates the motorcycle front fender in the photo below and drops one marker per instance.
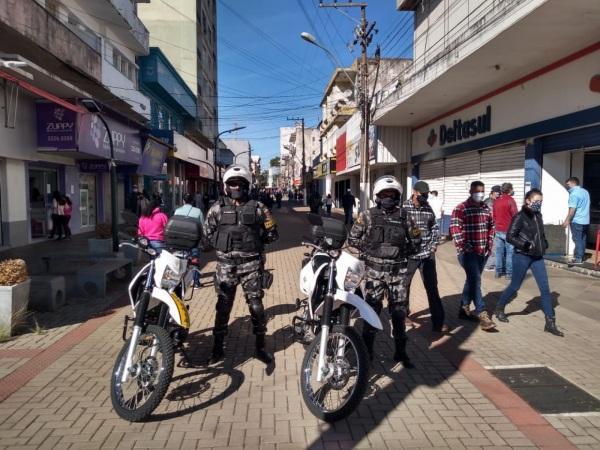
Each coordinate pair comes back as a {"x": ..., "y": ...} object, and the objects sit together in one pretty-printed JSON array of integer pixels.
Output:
[
  {"x": 366, "y": 312},
  {"x": 177, "y": 309}
]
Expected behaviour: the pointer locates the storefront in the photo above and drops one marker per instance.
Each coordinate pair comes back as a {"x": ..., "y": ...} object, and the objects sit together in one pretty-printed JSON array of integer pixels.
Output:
[
  {"x": 535, "y": 133},
  {"x": 84, "y": 138}
]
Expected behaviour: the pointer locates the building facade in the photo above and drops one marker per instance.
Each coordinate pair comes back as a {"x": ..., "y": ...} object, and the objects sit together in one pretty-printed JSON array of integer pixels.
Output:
[
  {"x": 479, "y": 109},
  {"x": 48, "y": 141}
]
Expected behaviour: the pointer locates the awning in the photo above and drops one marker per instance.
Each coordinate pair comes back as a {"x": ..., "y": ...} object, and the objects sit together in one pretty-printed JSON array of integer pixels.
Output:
[
  {"x": 190, "y": 152},
  {"x": 153, "y": 157}
]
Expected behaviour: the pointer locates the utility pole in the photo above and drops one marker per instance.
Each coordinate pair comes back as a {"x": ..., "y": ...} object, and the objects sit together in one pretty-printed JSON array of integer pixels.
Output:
[
  {"x": 301, "y": 119},
  {"x": 363, "y": 35}
]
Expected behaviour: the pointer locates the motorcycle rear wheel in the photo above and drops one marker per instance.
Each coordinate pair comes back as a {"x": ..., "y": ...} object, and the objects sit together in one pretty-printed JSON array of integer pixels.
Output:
[
  {"x": 139, "y": 396},
  {"x": 339, "y": 394}
]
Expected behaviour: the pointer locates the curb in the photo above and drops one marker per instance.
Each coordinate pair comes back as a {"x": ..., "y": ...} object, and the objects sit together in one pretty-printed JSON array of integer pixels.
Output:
[{"x": 576, "y": 269}]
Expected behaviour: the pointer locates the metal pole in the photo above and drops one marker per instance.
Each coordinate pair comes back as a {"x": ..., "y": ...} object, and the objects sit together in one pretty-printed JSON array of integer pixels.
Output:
[
  {"x": 364, "y": 151},
  {"x": 113, "y": 188},
  {"x": 214, "y": 167},
  {"x": 303, "y": 166}
]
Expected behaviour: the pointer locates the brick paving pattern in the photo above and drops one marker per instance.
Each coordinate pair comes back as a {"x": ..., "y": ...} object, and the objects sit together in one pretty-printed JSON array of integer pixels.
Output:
[{"x": 241, "y": 405}]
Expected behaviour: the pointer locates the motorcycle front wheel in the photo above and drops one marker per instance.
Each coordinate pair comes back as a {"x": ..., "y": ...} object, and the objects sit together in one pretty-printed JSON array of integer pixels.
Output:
[
  {"x": 150, "y": 375},
  {"x": 343, "y": 387}
]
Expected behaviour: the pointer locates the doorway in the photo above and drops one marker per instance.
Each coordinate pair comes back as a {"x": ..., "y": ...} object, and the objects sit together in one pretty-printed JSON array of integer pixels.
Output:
[
  {"x": 42, "y": 183},
  {"x": 87, "y": 199}
]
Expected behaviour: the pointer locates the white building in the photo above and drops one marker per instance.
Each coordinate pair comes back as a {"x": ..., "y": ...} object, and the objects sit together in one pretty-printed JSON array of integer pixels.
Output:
[
  {"x": 241, "y": 149},
  {"x": 503, "y": 91},
  {"x": 292, "y": 141},
  {"x": 273, "y": 181}
]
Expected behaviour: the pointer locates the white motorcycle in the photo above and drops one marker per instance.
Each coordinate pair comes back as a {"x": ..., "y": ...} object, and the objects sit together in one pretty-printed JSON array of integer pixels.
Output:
[
  {"x": 335, "y": 368},
  {"x": 161, "y": 322}
]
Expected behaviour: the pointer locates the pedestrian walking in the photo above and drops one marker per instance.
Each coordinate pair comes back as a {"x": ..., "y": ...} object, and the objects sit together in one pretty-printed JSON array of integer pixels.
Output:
[
  {"x": 238, "y": 228},
  {"x": 423, "y": 216},
  {"x": 384, "y": 235},
  {"x": 278, "y": 197},
  {"x": 56, "y": 215},
  {"x": 438, "y": 209},
  {"x": 328, "y": 204},
  {"x": 349, "y": 203},
  {"x": 67, "y": 213},
  {"x": 490, "y": 264},
  {"x": 505, "y": 208},
  {"x": 578, "y": 217},
  {"x": 206, "y": 202},
  {"x": 526, "y": 233},
  {"x": 152, "y": 222},
  {"x": 472, "y": 230},
  {"x": 189, "y": 210},
  {"x": 315, "y": 203}
]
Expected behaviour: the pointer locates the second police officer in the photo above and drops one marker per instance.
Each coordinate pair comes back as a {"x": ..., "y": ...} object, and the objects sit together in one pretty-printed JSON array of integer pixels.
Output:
[
  {"x": 385, "y": 236},
  {"x": 238, "y": 228}
]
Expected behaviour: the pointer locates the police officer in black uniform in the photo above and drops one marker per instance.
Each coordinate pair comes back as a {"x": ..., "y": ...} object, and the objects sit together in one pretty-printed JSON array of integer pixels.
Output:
[
  {"x": 385, "y": 236},
  {"x": 238, "y": 228}
]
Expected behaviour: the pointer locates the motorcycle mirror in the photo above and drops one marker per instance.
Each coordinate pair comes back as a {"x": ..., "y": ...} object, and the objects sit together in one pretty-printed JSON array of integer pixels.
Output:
[{"x": 315, "y": 219}]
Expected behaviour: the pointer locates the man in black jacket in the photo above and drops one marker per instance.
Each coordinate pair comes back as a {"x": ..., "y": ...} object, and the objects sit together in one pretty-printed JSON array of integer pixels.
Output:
[{"x": 348, "y": 203}]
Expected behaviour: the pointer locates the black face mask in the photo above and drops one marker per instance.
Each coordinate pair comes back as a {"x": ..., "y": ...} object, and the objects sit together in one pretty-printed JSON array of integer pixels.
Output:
[
  {"x": 422, "y": 198},
  {"x": 388, "y": 203}
]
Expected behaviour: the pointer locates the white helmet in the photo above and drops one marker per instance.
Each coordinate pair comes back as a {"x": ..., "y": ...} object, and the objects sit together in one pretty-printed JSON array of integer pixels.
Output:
[
  {"x": 387, "y": 182},
  {"x": 237, "y": 171}
]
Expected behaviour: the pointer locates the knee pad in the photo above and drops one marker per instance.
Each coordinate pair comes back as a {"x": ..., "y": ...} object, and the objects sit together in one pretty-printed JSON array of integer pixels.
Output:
[
  {"x": 398, "y": 311},
  {"x": 256, "y": 308}
]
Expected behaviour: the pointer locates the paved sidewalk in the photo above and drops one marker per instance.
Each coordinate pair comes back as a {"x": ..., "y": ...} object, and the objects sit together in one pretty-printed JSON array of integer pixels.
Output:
[{"x": 448, "y": 401}]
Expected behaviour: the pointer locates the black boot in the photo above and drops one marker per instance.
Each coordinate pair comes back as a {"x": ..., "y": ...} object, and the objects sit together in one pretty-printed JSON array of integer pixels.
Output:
[
  {"x": 217, "y": 351},
  {"x": 551, "y": 327},
  {"x": 500, "y": 314},
  {"x": 261, "y": 354},
  {"x": 400, "y": 353}
]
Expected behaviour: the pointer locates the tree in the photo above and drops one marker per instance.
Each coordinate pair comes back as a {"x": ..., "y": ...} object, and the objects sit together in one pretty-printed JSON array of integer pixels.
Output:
[{"x": 275, "y": 161}]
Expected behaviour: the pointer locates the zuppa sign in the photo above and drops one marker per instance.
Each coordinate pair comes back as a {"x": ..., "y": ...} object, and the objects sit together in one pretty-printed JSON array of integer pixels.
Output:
[{"x": 460, "y": 129}]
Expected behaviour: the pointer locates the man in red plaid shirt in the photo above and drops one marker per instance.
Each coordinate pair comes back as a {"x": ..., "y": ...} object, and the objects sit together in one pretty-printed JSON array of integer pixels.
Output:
[{"x": 472, "y": 230}]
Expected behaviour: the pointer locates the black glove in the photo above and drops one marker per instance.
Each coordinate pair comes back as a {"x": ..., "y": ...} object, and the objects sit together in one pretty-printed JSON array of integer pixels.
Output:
[{"x": 526, "y": 246}]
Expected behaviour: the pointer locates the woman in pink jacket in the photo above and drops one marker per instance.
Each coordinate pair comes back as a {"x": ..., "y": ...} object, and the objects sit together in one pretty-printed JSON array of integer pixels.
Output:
[{"x": 152, "y": 224}]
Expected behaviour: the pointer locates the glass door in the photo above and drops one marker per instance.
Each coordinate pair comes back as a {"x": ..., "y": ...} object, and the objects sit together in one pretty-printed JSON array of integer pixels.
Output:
[
  {"x": 42, "y": 183},
  {"x": 87, "y": 199}
]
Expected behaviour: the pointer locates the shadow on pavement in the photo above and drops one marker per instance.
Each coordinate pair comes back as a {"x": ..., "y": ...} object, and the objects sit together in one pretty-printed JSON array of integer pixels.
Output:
[{"x": 436, "y": 361}]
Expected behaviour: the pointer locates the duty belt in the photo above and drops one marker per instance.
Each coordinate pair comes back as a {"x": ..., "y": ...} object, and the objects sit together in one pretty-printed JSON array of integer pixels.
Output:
[
  {"x": 393, "y": 268},
  {"x": 237, "y": 260}
]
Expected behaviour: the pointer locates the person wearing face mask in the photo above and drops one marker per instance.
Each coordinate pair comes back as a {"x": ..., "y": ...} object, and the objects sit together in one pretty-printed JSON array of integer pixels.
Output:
[
  {"x": 578, "y": 217},
  {"x": 238, "y": 228},
  {"x": 418, "y": 208},
  {"x": 526, "y": 234},
  {"x": 385, "y": 236},
  {"x": 472, "y": 230},
  {"x": 505, "y": 208}
]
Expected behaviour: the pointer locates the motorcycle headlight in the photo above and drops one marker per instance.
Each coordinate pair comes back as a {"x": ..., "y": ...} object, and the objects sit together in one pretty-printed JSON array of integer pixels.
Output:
[
  {"x": 352, "y": 280},
  {"x": 170, "y": 279}
]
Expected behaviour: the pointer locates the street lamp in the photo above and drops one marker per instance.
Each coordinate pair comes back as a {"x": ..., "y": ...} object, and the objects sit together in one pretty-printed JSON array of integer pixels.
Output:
[
  {"x": 94, "y": 108},
  {"x": 216, "y": 149},
  {"x": 240, "y": 153},
  {"x": 313, "y": 40}
]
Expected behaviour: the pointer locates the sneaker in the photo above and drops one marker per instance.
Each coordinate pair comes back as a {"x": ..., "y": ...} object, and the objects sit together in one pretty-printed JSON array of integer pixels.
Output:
[
  {"x": 576, "y": 262},
  {"x": 485, "y": 322},
  {"x": 443, "y": 329},
  {"x": 465, "y": 314},
  {"x": 489, "y": 269}
]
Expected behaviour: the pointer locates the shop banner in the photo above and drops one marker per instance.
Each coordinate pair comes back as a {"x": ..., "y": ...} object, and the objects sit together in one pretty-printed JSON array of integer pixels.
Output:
[
  {"x": 153, "y": 158},
  {"x": 93, "y": 165},
  {"x": 340, "y": 152},
  {"x": 56, "y": 127},
  {"x": 93, "y": 139}
]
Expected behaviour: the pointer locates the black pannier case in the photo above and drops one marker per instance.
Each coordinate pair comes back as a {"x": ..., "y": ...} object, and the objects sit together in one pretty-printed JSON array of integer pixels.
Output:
[{"x": 183, "y": 232}]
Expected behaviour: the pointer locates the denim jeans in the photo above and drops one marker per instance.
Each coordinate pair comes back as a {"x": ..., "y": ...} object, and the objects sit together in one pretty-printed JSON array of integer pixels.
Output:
[
  {"x": 521, "y": 263},
  {"x": 473, "y": 265},
  {"x": 157, "y": 245},
  {"x": 504, "y": 255},
  {"x": 430, "y": 281},
  {"x": 579, "y": 233},
  {"x": 348, "y": 216},
  {"x": 196, "y": 254}
]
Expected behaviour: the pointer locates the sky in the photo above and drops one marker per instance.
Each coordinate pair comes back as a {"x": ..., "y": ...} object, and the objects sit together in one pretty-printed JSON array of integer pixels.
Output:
[{"x": 267, "y": 73}]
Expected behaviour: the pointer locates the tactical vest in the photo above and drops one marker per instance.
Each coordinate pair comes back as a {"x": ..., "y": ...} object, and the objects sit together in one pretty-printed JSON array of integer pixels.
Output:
[
  {"x": 240, "y": 228},
  {"x": 387, "y": 237}
]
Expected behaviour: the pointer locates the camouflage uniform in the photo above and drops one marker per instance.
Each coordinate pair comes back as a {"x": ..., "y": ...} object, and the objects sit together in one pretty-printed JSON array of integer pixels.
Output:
[
  {"x": 236, "y": 267},
  {"x": 386, "y": 258}
]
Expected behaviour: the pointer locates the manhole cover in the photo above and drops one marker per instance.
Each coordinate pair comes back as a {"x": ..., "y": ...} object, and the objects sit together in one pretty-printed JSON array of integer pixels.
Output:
[{"x": 547, "y": 391}]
